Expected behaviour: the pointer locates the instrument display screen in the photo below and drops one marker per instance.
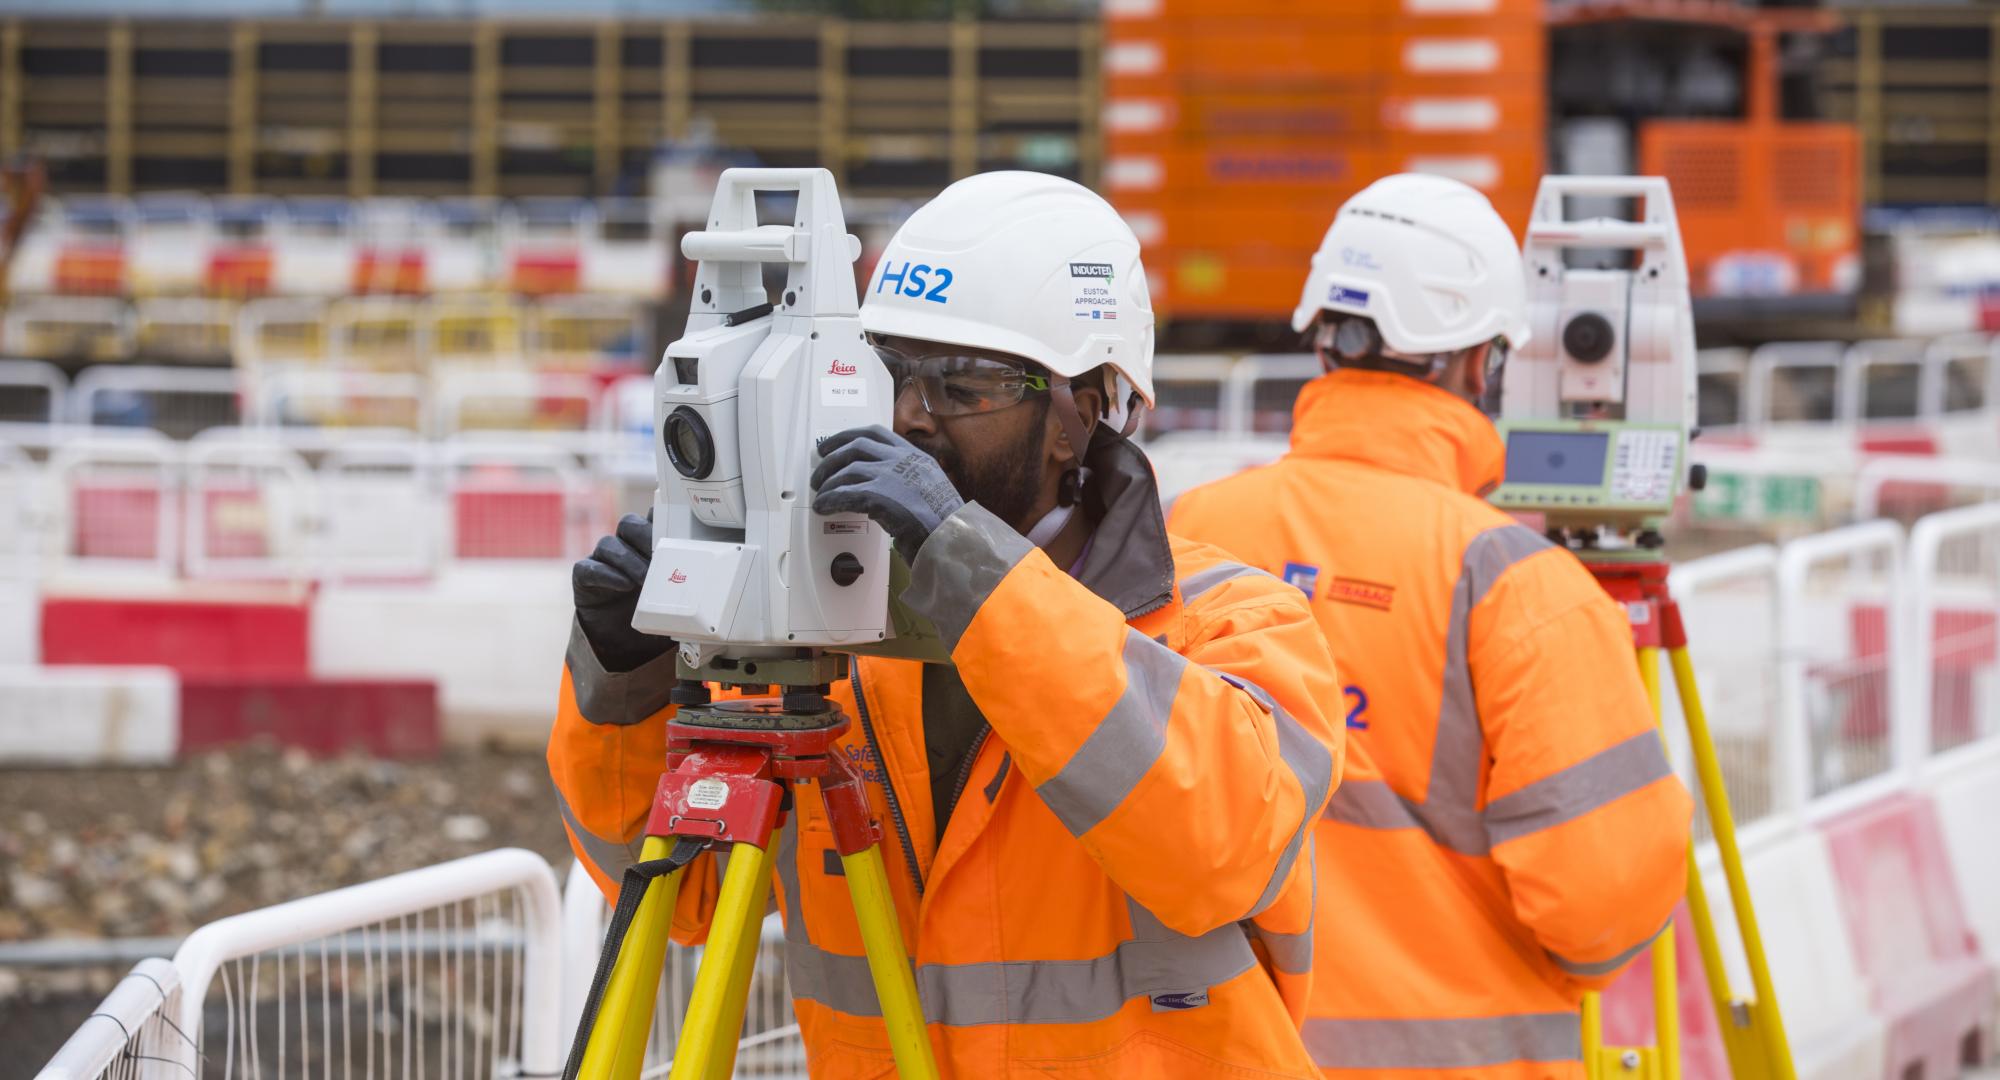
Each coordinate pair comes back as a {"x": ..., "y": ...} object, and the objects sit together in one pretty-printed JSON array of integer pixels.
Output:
[{"x": 1556, "y": 457}]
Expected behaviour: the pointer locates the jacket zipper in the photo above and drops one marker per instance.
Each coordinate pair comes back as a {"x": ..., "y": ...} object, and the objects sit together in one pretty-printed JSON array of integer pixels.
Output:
[
  {"x": 888, "y": 785},
  {"x": 964, "y": 775}
]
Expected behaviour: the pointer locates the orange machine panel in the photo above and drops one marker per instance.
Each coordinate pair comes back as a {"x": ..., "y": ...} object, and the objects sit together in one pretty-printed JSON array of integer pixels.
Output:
[{"x": 1765, "y": 209}]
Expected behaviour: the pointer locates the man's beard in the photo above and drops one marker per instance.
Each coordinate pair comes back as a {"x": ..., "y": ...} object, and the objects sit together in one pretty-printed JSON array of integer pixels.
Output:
[{"x": 1007, "y": 483}]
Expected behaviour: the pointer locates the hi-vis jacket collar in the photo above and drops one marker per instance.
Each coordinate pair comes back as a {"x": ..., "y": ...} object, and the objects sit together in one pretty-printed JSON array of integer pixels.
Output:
[
  {"x": 1400, "y": 424},
  {"x": 1130, "y": 563}
]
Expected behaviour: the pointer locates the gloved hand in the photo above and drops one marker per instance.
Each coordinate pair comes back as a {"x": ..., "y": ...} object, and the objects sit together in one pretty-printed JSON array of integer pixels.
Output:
[
  {"x": 874, "y": 471},
  {"x": 606, "y": 587}
]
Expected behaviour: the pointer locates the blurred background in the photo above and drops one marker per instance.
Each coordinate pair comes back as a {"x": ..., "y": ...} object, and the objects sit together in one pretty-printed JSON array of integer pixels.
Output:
[{"x": 328, "y": 328}]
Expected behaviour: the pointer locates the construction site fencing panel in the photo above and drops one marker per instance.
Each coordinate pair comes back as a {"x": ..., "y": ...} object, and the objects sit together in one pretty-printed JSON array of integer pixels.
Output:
[
  {"x": 452, "y": 971},
  {"x": 115, "y": 507},
  {"x": 1262, "y": 390},
  {"x": 32, "y": 392},
  {"x": 75, "y": 329},
  {"x": 1953, "y": 691},
  {"x": 1841, "y": 599},
  {"x": 20, "y": 506},
  {"x": 176, "y": 402},
  {"x": 516, "y": 501},
  {"x": 1793, "y": 382},
  {"x": 331, "y": 399},
  {"x": 132, "y": 1034},
  {"x": 1729, "y": 603},
  {"x": 378, "y": 512},
  {"x": 514, "y": 400},
  {"x": 248, "y": 510},
  {"x": 1886, "y": 483}
]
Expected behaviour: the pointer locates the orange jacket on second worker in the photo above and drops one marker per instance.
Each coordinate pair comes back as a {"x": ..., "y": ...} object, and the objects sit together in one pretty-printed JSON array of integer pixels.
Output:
[{"x": 1507, "y": 833}]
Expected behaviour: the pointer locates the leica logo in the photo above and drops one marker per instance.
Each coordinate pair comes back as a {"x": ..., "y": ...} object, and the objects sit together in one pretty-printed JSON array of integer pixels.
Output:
[
  {"x": 677, "y": 577},
  {"x": 839, "y": 368}
]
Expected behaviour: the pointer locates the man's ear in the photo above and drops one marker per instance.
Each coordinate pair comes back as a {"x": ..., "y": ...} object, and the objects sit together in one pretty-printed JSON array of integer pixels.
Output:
[{"x": 1089, "y": 408}]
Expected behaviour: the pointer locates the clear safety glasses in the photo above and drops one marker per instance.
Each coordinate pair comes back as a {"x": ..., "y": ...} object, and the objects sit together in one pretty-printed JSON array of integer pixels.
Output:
[{"x": 961, "y": 383}]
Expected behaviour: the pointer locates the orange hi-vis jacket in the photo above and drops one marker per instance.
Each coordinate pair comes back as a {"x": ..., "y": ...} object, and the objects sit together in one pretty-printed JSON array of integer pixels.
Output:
[
  {"x": 1119, "y": 890},
  {"x": 1507, "y": 833}
]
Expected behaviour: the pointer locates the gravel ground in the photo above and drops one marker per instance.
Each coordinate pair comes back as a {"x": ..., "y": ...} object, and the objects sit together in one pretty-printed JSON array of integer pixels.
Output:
[{"x": 156, "y": 852}]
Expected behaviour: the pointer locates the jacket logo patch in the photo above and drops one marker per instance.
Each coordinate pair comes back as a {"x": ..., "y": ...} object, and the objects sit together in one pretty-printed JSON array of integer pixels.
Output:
[
  {"x": 1369, "y": 594},
  {"x": 1178, "y": 1002},
  {"x": 1302, "y": 576}
]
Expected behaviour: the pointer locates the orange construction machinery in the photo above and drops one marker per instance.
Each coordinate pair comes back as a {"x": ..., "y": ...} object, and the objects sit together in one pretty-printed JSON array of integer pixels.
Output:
[{"x": 1234, "y": 128}]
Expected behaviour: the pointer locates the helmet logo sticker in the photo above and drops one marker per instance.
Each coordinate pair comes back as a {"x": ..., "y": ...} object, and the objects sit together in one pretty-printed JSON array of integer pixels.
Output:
[
  {"x": 1092, "y": 298},
  {"x": 916, "y": 279},
  {"x": 1359, "y": 258},
  {"x": 1342, "y": 294},
  {"x": 1302, "y": 576}
]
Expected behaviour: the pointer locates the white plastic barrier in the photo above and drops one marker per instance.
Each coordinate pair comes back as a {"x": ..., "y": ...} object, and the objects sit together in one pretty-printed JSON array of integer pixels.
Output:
[
  {"x": 130, "y": 1034},
  {"x": 302, "y": 397},
  {"x": 450, "y": 970},
  {"x": 1840, "y": 603},
  {"x": 178, "y": 402},
  {"x": 83, "y": 715},
  {"x": 281, "y": 330},
  {"x": 1191, "y": 395},
  {"x": 378, "y": 512},
  {"x": 185, "y": 329},
  {"x": 116, "y": 508},
  {"x": 515, "y": 401},
  {"x": 248, "y": 509},
  {"x": 1981, "y": 479}
]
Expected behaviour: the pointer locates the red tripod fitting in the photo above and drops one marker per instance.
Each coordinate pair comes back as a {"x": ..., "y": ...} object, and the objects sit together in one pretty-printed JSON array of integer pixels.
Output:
[
  {"x": 727, "y": 784},
  {"x": 1642, "y": 588}
]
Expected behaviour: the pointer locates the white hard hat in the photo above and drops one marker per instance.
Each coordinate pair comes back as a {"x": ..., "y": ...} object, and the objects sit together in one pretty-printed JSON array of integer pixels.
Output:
[
  {"x": 1022, "y": 263},
  {"x": 1428, "y": 259}
]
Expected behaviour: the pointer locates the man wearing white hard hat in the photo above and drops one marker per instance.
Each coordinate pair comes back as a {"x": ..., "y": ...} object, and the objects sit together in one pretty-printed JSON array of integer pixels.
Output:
[
  {"x": 1098, "y": 817},
  {"x": 1507, "y": 834}
]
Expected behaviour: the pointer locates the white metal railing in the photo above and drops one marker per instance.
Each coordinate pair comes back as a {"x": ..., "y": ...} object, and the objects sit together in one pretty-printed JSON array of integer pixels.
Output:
[
  {"x": 1840, "y": 631},
  {"x": 84, "y": 327},
  {"x": 172, "y": 400},
  {"x": 1878, "y": 474},
  {"x": 26, "y": 378},
  {"x": 1951, "y": 696},
  {"x": 450, "y": 970},
  {"x": 132, "y": 1034},
  {"x": 1729, "y": 604}
]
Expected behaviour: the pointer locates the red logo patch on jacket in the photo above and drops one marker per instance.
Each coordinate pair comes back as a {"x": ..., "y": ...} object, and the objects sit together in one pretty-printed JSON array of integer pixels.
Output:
[{"x": 1369, "y": 594}]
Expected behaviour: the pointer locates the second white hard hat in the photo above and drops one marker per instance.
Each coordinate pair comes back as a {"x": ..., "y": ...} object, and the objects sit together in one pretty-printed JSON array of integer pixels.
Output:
[
  {"x": 1022, "y": 263},
  {"x": 1428, "y": 259}
]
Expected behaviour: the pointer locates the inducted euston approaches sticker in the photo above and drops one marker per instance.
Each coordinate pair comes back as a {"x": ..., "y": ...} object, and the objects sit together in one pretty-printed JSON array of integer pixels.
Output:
[{"x": 707, "y": 793}]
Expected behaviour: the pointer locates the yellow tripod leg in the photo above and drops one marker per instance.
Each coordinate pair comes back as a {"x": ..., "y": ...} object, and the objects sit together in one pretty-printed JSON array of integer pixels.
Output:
[
  {"x": 742, "y": 967},
  {"x": 617, "y": 1047},
  {"x": 705, "y": 1035},
  {"x": 1768, "y": 1023},
  {"x": 1662, "y": 1060},
  {"x": 889, "y": 963}
]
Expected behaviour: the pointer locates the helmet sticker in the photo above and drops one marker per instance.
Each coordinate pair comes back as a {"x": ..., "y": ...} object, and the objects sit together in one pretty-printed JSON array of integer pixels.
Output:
[
  {"x": 1342, "y": 294},
  {"x": 1092, "y": 297}
]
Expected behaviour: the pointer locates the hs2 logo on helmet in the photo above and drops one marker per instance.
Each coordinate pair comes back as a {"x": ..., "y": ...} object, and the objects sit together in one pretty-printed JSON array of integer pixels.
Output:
[{"x": 916, "y": 279}]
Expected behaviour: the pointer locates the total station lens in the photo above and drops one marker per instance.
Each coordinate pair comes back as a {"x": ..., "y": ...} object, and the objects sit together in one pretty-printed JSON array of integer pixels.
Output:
[{"x": 689, "y": 445}]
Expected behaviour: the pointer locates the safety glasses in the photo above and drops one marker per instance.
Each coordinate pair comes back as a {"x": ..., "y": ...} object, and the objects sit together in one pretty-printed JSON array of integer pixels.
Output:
[{"x": 961, "y": 382}]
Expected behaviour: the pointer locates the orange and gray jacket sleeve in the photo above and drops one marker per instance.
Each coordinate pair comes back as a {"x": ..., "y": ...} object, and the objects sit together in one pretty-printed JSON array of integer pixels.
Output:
[
  {"x": 606, "y": 753},
  {"x": 1584, "y": 815},
  {"x": 1192, "y": 777}
]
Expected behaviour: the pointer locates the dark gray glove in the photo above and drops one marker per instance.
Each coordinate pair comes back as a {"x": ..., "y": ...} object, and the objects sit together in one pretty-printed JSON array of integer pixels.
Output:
[
  {"x": 606, "y": 587},
  {"x": 874, "y": 471}
]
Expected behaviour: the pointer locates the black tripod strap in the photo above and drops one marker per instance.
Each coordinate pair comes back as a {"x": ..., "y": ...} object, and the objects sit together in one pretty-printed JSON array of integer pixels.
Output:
[{"x": 631, "y": 891}]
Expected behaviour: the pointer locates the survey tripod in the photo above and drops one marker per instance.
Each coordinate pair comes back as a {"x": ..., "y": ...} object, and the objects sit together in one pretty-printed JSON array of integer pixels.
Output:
[
  {"x": 1753, "y": 1032},
  {"x": 734, "y": 768}
]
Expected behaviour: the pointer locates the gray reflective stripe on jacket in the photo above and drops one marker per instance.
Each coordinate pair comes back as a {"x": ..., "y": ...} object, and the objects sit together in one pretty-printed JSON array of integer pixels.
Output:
[
  {"x": 1449, "y": 811},
  {"x": 1459, "y": 1043},
  {"x": 1155, "y": 960}
]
